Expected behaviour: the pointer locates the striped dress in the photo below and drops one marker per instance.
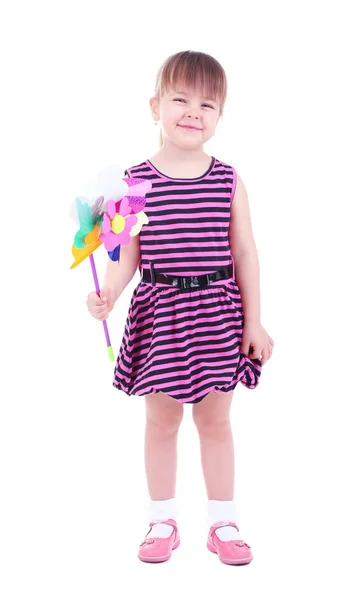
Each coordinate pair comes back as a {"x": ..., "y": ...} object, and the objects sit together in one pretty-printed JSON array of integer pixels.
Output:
[{"x": 185, "y": 343}]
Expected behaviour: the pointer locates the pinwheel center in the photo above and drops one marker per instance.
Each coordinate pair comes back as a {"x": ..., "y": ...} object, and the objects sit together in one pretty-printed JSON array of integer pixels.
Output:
[{"x": 118, "y": 224}]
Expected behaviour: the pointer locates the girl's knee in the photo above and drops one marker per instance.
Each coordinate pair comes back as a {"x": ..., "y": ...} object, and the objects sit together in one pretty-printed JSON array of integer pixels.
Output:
[
  {"x": 212, "y": 415},
  {"x": 164, "y": 413},
  {"x": 212, "y": 420},
  {"x": 211, "y": 424}
]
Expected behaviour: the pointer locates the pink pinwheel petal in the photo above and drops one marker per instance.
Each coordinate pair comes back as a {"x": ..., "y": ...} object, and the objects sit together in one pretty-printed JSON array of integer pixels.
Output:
[
  {"x": 124, "y": 238},
  {"x": 106, "y": 225},
  {"x": 111, "y": 208},
  {"x": 110, "y": 240},
  {"x": 124, "y": 208},
  {"x": 130, "y": 222},
  {"x": 138, "y": 187},
  {"x": 137, "y": 203}
]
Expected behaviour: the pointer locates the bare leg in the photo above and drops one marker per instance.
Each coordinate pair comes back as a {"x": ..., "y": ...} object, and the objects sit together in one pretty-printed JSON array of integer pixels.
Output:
[
  {"x": 163, "y": 419},
  {"x": 212, "y": 419}
]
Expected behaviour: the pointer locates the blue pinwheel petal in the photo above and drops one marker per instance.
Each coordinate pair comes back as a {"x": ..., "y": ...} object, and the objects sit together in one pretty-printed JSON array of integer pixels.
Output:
[{"x": 114, "y": 254}]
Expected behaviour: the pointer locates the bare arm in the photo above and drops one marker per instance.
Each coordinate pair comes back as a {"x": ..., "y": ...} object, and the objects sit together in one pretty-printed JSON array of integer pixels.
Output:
[
  {"x": 119, "y": 274},
  {"x": 244, "y": 252}
]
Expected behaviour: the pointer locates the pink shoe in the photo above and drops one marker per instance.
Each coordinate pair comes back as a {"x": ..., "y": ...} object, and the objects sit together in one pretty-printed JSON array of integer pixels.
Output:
[
  {"x": 159, "y": 549},
  {"x": 233, "y": 552}
]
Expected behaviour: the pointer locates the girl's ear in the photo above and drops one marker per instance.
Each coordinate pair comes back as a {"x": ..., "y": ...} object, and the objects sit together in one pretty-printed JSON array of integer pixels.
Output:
[{"x": 154, "y": 105}]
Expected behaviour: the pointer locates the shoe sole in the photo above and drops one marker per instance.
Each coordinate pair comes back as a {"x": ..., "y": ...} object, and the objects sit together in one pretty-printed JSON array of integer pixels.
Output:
[
  {"x": 230, "y": 561},
  {"x": 156, "y": 559}
]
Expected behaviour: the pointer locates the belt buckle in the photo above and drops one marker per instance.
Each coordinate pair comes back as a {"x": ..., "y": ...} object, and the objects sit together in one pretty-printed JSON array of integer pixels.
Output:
[
  {"x": 152, "y": 274},
  {"x": 190, "y": 282}
]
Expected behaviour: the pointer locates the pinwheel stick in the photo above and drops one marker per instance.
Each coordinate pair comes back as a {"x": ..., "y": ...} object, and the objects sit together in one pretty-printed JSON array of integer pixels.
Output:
[{"x": 97, "y": 289}]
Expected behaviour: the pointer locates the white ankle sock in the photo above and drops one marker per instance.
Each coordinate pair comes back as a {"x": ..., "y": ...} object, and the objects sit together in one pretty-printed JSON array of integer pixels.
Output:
[
  {"x": 223, "y": 510},
  {"x": 161, "y": 510}
]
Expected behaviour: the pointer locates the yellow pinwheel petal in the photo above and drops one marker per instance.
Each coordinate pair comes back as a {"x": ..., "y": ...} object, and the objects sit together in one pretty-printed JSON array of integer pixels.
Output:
[
  {"x": 80, "y": 254},
  {"x": 142, "y": 220},
  {"x": 92, "y": 236}
]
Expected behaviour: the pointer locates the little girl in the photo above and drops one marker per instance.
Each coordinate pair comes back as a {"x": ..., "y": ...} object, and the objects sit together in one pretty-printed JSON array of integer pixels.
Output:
[{"x": 193, "y": 328}]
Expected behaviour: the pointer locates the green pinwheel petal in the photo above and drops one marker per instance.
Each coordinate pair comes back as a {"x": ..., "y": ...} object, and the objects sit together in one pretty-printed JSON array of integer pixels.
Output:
[
  {"x": 79, "y": 239},
  {"x": 86, "y": 222}
]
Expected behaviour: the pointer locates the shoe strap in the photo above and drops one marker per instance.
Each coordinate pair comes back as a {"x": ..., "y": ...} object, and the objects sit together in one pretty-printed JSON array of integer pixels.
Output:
[
  {"x": 171, "y": 522},
  {"x": 167, "y": 522},
  {"x": 224, "y": 524},
  {"x": 228, "y": 524}
]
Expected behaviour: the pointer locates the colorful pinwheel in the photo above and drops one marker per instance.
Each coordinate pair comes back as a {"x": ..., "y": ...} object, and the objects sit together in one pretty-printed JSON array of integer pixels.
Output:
[
  {"x": 113, "y": 219},
  {"x": 117, "y": 224}
]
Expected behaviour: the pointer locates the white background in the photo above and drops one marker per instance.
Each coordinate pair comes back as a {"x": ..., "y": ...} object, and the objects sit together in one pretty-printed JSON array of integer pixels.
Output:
[{"x": 76, "y": 81}]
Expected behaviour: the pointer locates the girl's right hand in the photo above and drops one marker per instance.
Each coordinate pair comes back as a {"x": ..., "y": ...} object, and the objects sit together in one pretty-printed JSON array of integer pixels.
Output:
[{"x": 100, "y": 306}]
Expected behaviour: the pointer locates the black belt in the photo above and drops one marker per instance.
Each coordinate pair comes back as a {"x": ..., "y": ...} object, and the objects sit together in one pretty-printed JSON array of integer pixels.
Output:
[{"x": 188, "y": 282}]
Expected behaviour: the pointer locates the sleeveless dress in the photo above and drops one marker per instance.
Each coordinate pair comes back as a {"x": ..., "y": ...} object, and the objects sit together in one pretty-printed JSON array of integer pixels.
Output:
[{"x": 185, "y": 343}]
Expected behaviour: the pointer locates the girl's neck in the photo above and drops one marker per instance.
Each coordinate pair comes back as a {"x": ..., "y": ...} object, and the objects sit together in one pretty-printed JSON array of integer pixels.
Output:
[{"x": 177, "y": 162}]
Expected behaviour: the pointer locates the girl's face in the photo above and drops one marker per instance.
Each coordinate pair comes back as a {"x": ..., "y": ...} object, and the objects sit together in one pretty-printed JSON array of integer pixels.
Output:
[{"x": 187, "y": 118}]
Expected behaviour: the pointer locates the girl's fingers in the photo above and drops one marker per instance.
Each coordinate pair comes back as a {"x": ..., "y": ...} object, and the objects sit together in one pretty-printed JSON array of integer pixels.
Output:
[
  {"x": 95, "y": 300},
  {"x": 98, "y": 312},
  {"x": 102, "y": 315},
  {"x": 96, "y": 305},
  {"x": 263, "y": 358},
  {"x": 99, "y": 302},
  {"x": 100, "y": 307},
  {"x": 266, "y": 354},
  {"x": 255, "y": 354}
]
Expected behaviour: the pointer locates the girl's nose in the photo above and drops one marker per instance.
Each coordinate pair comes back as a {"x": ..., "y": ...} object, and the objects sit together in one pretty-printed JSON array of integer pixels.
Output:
[{"x": 193, "y": 113}]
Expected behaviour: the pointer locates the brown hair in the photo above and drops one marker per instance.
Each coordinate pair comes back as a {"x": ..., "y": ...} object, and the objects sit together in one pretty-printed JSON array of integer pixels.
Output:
[{"x": 193, "y": 69}]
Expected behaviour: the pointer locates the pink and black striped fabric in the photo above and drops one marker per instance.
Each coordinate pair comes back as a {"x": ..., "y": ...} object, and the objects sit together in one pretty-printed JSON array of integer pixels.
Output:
[{"x": 185, "y": 342}]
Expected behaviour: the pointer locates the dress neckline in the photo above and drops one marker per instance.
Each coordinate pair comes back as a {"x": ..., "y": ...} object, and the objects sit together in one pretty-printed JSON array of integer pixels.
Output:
[{"x": 213, "y": 161}]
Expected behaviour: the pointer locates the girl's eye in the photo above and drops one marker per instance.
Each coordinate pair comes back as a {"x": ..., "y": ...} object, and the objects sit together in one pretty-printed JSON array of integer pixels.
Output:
[{"x": 181, "y": 99}]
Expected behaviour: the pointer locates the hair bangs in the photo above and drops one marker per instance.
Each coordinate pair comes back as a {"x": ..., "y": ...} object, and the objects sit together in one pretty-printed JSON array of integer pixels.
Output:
[{"x": 194, "y": 70}]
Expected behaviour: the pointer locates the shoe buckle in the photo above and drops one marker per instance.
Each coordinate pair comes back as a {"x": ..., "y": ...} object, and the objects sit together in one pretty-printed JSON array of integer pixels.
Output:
[{"x": 148, "y": 541}]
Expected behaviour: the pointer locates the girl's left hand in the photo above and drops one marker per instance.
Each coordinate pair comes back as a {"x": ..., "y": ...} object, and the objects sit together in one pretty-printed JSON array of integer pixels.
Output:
[{"x": 256, "y": 341}]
